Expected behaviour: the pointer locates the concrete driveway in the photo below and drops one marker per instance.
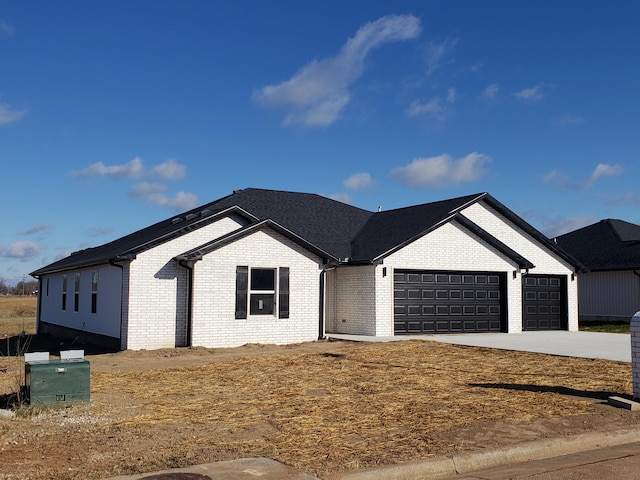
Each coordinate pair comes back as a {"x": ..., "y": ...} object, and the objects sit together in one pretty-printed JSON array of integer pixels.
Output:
[{"x": 608, "y": 346}]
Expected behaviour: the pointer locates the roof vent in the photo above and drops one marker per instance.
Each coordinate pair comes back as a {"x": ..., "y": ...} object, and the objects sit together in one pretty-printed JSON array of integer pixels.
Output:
[
  {"x": 176, "y": 220},
  {"x": 191, "y": 216}
]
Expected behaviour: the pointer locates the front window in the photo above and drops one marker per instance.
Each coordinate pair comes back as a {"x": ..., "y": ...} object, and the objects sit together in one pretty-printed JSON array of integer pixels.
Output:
[
  {"x": 76, "y": 296},
  {"x": 64, "y": 292},
  {"x": 94, "y": 291},
  {"x": 256, "y": 290},
  {"x": 262, "y": 291}
]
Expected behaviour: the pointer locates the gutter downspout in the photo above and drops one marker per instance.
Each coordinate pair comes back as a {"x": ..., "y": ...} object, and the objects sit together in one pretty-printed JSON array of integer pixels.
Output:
[
  {"x": 189, "y": 267},
  {"x": 113, "y": 263}
]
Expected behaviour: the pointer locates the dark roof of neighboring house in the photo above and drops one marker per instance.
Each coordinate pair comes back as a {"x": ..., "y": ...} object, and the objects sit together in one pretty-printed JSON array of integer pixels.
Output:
[
  {"x": 331, "y": 229},
  {"x": 610, "y": 244}
]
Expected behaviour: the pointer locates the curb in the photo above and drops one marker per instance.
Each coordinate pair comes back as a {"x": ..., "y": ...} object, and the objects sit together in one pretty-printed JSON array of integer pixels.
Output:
[{"x": 470, "y": 462}]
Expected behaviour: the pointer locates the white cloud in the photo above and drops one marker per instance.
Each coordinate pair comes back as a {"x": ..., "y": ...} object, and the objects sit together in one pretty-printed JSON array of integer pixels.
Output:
[
  {"x": 436, "y": 52},
  {"x": 8, "y": 115},
  {"x": 170, "y": 170},
  {"x": 442, "y": 170},
  {"x": 21, "y": 250},
  {"x": 155, "y": 194},
  {"x": 39, "y": 228},
  {"x": 561, "y": 181},
  {"x": 561, "y": 225},
  {"x": 628, "y": 198},
  {"x": 555, "y": 178},
  {"x": 131, "y": 170},
  {"x": 318, "y": 92},
  {"x": 603, "y": 170},
  {"x": 359, "y": 181},
  {"x": 437, "y": 108},
  {"x": 134, "y": 169},
  {"x": 490, "y": 92},
  {"x": 532, "y": 94}
]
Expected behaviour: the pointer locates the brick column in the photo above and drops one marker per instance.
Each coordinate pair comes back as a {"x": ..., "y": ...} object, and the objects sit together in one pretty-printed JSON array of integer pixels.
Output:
[{"x": 635, "y": 354}]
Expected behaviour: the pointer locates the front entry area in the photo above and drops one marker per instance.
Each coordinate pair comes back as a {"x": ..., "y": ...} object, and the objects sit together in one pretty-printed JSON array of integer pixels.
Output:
[
  {"x": 544, "y": 302},
  {"x": 448, "y": 302}
]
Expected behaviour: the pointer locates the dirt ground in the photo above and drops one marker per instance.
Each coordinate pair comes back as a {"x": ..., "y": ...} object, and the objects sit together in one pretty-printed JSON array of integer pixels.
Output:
[{"x": 322, "y": 407}]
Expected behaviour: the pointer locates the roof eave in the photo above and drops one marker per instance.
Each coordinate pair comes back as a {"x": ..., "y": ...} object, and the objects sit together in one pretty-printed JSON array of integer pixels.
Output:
[
  {"x": 511, "y": 216},
  {"x": 197, "y": 253}
]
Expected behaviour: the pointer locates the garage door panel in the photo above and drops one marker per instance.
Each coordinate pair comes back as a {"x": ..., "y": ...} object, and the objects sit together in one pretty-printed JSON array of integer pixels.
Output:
[
  {"x": 544, "y": 302},
  {"x": 476, "y": 307}
]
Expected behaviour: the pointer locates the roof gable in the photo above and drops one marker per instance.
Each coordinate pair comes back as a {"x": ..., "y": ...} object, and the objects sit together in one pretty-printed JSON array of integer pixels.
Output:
[{"x": 390, "y": 230}]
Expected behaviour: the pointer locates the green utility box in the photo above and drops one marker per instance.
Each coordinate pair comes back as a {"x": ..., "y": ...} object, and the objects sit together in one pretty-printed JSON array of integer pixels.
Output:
[{"x": 57, "y": 381}]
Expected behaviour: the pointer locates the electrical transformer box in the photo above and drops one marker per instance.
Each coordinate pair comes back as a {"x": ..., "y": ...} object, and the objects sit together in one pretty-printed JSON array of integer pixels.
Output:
[{"x": 57, "y": 381}]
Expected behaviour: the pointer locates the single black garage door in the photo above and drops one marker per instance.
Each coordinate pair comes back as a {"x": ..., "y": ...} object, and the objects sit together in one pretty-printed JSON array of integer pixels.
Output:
[
  {"x": 448, "y": 302},
  {"x": 544, "y": 305}
]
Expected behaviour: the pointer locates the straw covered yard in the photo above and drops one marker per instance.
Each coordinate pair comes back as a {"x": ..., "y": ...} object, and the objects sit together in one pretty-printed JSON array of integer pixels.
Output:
[{"x": 323, "y": 407}]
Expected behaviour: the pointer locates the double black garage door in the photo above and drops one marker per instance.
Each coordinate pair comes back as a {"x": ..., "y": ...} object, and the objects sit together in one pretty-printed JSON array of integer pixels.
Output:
[{"x": 464, "y": 302}]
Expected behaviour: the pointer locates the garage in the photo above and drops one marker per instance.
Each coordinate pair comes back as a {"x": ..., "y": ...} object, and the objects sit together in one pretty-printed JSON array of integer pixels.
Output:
[
  {"x": 544, "y": 305},
  {"x": 448, "y": 302}
]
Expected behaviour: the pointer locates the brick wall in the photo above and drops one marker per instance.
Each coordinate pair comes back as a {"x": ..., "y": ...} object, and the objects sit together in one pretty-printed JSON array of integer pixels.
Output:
[
  {"x": 355, "y": 289},
  {"x": 214, "y": 323},
  {"x": 452, "y": 247},
  {"x": 156, "y": 314},
  {"x": 545, "y": 261}
]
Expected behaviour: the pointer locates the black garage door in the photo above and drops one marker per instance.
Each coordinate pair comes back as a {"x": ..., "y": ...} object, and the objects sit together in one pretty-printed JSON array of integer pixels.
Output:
[
  {"x": 544, "y": 305},
  {"x": 448, "y": 302}
]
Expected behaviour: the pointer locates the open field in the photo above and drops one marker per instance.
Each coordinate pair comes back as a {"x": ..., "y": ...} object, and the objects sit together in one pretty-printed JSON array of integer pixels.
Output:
[
  {"x": 17, "y": 313},
  {"x": 322, "y": 407}
]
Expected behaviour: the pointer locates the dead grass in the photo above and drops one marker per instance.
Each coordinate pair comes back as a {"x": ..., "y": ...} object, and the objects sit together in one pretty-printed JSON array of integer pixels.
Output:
[
  {"x": 377, "y": 404},
  {"x": 17, "y": 313},
  {"x": 323, "y": 407}
]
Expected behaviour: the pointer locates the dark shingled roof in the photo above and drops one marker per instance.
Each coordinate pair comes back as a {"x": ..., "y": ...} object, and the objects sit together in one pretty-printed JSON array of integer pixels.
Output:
[
  {"x": 387, "y": 230},
  {"x": 607, "y": 245},
  {"x": 325, "y": 226}
]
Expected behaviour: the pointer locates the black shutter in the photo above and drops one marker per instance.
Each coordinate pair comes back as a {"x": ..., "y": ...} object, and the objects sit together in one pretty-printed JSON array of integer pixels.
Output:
[
  {"x": 242, "y": 284},
  {"x": 283, "y": 293}
]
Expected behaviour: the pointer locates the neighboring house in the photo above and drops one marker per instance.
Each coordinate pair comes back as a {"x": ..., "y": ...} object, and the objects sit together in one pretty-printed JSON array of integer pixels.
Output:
[
  {"x": 264, "y": 266},
  {"x": 610, "y": 249}
]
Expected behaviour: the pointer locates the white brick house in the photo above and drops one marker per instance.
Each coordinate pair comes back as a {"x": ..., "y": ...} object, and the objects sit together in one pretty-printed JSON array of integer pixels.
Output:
[{"x": 263, "y": 266}]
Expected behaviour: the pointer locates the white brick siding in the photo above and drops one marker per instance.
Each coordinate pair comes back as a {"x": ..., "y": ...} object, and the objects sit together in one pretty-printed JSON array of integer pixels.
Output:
[
  {"x": 214, "y": 323},
  {"x": 356, "y": 303},
  {"x": 157, "y": 309},
  {"x": 452, "y": 247},
  {"x": 364, "y": 294},
  {"x": 545, "y": 261}
]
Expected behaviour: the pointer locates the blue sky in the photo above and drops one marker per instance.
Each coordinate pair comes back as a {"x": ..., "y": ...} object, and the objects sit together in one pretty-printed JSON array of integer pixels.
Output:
[{"x": 115, "y": 115}]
